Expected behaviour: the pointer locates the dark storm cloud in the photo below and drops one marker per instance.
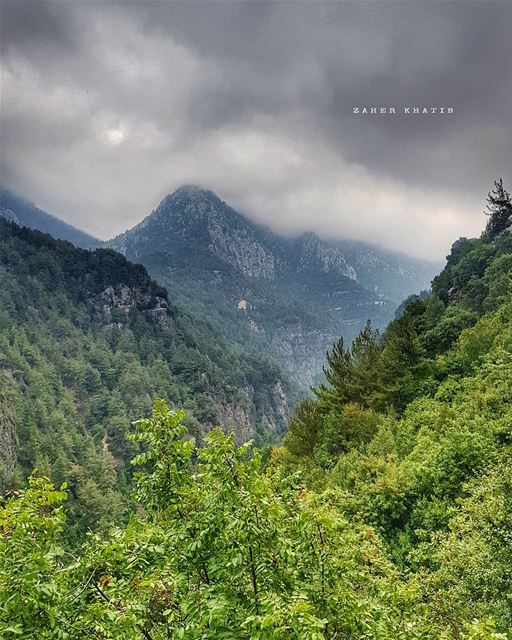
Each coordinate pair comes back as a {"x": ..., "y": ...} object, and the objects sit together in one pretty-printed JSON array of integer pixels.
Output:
[
  {"x": 30, "y": 25},
  {"x": 107, "y": 106}
]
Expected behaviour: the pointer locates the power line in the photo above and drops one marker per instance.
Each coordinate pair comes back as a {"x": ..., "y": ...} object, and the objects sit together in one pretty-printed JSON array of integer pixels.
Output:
[
  {"x": 214, "y": 52},
  {"x": 347, "y": 35},
  {"x": 302, "y": 28}
]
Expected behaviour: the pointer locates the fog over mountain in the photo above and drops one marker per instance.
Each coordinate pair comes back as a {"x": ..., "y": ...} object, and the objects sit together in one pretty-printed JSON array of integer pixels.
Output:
[
  {"x": 107, "y": 105},
  {"x": 24, "y": 213},
  {"x": 289, "y": 299}
]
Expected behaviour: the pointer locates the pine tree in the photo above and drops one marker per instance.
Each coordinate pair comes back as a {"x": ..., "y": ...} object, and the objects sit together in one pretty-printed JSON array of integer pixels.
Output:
[
  {"x": 304, "y": 429},
  {"x": 499, "y": 210},
  {"x": 365, "y": 354},
  {"x": 339, "y": 374},
  {"x": 401, "y": 362},
  {"x": 353, "y": 374}
]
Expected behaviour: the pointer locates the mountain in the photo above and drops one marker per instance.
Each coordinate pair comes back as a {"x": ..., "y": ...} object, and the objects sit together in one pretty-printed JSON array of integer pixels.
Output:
[
  {"x": 392, "y": 275},
  {"x": 87, "y": 341},
  {"x": 290, "y": 297},
  {"x": 412, "y": 432},
  {"x": 386, "y": 511},
  {"x": 27, "y": 214}
]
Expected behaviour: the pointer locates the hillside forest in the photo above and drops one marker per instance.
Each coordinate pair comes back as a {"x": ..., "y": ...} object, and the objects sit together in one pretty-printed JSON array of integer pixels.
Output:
[{"x": 383, "y": 512}]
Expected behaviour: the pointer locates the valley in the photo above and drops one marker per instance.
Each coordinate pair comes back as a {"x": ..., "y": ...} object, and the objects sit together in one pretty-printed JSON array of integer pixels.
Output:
[
  {"x": 378, "y": 506},
  {"x": 290, "y": 297}
]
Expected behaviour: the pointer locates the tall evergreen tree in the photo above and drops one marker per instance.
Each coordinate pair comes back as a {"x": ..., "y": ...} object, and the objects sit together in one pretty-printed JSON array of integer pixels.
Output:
[
  {"x": 352, "y": 373},
  {"x": 338, "y": 373},
  {"x": 401, "y": 360},
  {"x": 499, "y": 210},
  {"x": 365, "y": 354}
]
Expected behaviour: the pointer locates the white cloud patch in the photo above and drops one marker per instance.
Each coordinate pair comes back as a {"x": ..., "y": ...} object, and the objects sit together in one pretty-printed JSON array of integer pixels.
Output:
[{"x": 125, "y": 102}]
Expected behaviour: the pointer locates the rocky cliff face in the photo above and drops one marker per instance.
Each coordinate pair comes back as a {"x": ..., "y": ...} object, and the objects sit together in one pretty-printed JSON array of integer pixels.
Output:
[
  {"x": 315, "y": 254},
  {"x": 8, "y": 438},
  {"x": 122, "y": 299},
  {"x": 240, "y": 416},
  {"x": 8, "y": 214},
  {"x": 299, "y": 295},
  {"x": 245, "y": 254},
  {"x": 302, "y": 351},
  {"x": 392, "y": 276}
]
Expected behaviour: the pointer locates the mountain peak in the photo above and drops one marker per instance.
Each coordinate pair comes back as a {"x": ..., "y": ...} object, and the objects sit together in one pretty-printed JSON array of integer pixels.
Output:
[
  {"x": 309, "y": 236},
  {"x": 189, "y": 197},
  {"x": 190, "y": 189},
  {"x": 186, "y": 203},
  {"x": 192, "y": 192}
]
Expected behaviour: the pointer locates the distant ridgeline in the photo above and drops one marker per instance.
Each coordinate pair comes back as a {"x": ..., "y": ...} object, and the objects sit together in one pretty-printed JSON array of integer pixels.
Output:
[
  {"x": 291, "y": 298},
  {"x": 87, "y": 341},
  {"x": 26, "y": 214}
]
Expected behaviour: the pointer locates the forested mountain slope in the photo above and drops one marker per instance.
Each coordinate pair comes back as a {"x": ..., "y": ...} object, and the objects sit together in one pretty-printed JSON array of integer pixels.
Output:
[
  {"x": 27, "y": 214},
  {"x": 413, "y": 431},
  {"x": 290, "y": 297},
  {"x": 87, "y": 341},
  {"x": 389, "y": 274},
  {"x": 385, "y": 513}
]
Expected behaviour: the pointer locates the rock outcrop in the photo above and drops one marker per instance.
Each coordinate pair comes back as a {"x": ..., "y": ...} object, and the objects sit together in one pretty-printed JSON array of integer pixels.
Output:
[
  {"x": 8, "y": 438},
  {"x": 123, "y": 298},
  {"x": 299, "y": 294},
  {"x": 8, "y": 214}
]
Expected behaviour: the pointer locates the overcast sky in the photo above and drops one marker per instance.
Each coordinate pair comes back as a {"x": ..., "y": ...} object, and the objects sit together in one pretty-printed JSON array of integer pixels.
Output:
[{"x": 107, "y": 107}]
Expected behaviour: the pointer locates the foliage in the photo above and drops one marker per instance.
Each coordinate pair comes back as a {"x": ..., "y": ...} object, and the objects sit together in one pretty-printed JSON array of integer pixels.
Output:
[
  {"x": 87, "y": 340},
  {"x": 499, "y": 208},
  {"x": 425, "y": 459},
  {"x": 31, "y": 555},
  {"x": 385, "y": 513},
  {"x": 221, "y": 549}
]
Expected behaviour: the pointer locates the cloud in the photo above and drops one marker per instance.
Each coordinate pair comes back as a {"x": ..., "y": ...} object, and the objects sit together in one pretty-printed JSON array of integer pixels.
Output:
[{"x": 106, "y": 107}]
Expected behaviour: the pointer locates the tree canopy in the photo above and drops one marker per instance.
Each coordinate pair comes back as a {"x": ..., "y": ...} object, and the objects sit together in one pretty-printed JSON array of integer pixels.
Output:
[{"x": 386, "y": 511}]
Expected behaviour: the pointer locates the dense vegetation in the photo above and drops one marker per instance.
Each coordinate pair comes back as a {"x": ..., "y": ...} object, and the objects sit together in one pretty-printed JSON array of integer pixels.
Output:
[
  {"x": 297, "y": 294},
  {"x": 87, "y": 341},
  {"x": 386, "y": 512},
  {"x": 414, "y": 431}
]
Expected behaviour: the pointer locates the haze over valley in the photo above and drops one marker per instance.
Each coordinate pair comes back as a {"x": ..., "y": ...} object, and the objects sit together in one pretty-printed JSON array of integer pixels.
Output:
[
  {"x": 291, "y": 297},
  {"x": 255, "y": 320}
]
